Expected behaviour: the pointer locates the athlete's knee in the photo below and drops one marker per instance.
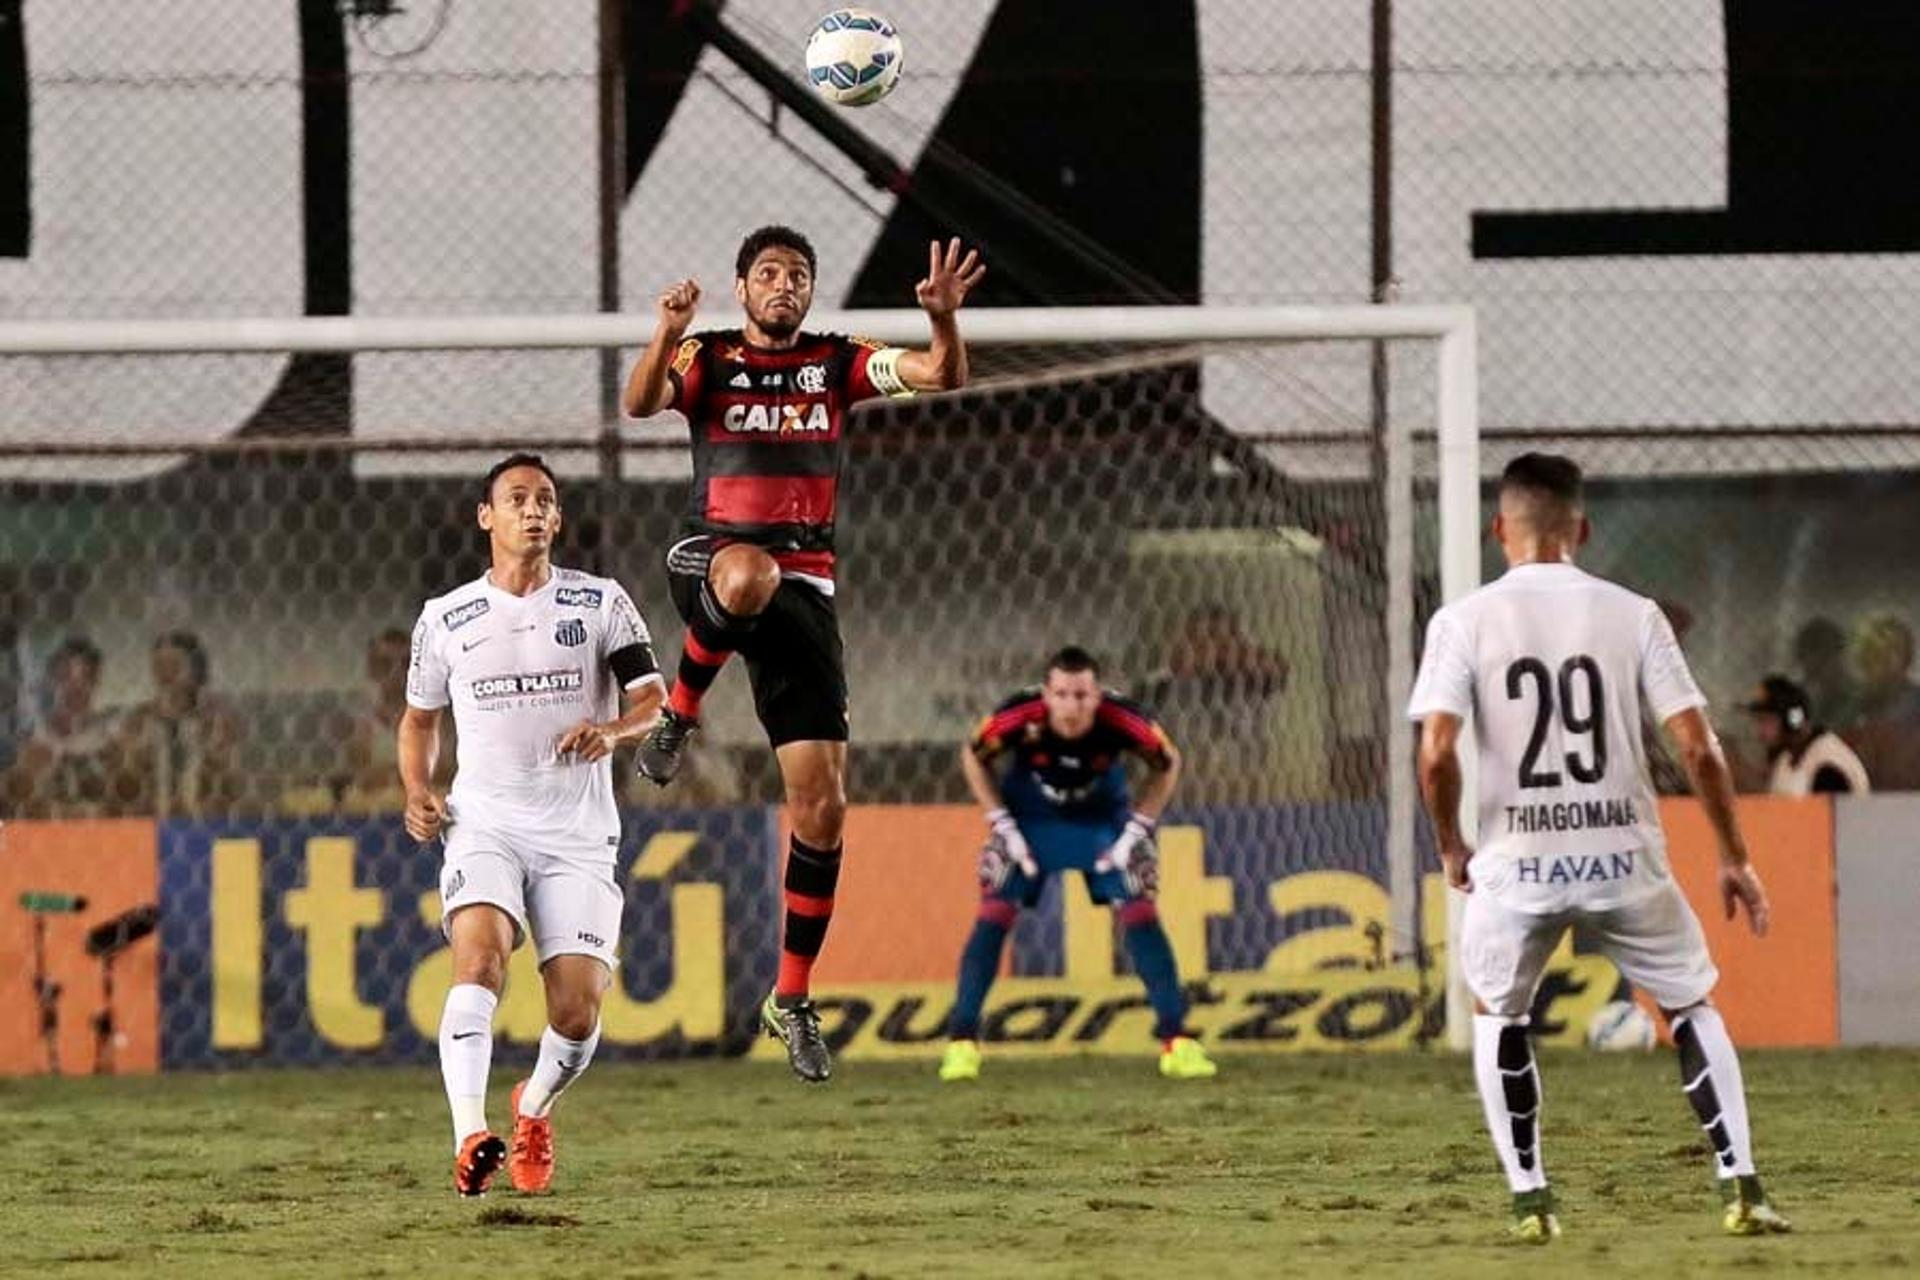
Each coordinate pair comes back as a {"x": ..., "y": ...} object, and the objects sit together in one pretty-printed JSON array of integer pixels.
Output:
[
  {"x": 480, "y": 966},
  {"x": 481, "y": 939},
  {"x": 574, "y": 1014},
  {"x": 819, "y": 812},
  {"x": 743, "y": 578}
]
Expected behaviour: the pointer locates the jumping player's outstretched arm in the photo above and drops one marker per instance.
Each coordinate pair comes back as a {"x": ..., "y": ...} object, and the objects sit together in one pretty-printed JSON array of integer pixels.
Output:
[
  {"x": 950, "y": 277},
  {"x": 1706, "y": 766},
  {"x": 647, "y": 391}
]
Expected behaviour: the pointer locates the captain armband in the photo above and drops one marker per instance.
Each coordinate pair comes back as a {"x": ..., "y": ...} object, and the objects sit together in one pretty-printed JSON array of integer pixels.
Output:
[{"x": 883, "y": 371}]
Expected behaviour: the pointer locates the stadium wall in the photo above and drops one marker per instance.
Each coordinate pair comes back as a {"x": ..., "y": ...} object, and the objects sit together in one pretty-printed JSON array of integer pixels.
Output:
[
  {"x": 1879, "y": 900},
  {"x": 289, "y": 942}
]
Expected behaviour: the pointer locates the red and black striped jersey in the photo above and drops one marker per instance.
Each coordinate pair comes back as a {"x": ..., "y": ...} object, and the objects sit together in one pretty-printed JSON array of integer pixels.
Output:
[
  {"x": 1070, "y": 765},
  {"x": 769, "y": 435}
]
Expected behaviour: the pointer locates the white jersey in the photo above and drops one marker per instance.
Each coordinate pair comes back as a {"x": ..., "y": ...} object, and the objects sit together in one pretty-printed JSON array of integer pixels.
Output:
[
  {"x": 519, "y": 671},
  {"x": 1555, "y": 666}
]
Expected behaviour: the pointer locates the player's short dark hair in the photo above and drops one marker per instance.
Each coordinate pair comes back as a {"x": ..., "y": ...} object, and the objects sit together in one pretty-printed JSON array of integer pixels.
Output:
[
  {"x": 76, "y": 647},
  {"x": 772, "y": 237},
  {"x": 1072, "y": 659},
  {"x": 1547, "y": 475},
  {"x": 508, "y": 463}
]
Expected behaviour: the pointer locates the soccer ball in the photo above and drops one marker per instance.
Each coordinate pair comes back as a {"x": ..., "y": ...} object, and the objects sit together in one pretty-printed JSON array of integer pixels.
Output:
[
  {"x": 854, "y": 57},
  {"x": 1620, "y": 1026}
]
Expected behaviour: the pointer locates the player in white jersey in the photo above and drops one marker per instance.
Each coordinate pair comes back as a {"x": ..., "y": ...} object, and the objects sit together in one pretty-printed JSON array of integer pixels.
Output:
[
  {"x": 536, "y": 662},
  {"x": 1555, "y": 666}
]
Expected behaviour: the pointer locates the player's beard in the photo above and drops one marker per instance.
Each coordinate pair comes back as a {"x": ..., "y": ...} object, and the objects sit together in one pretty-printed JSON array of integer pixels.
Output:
[{"x": 782, "y": 326}]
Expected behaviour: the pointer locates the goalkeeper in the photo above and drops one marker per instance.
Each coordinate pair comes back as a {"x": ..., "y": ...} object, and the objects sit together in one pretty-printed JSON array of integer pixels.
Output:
[{"x": 1062, "y": 805}]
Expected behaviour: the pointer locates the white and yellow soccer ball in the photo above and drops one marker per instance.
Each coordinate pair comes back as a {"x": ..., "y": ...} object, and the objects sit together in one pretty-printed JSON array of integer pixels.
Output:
[
  {"x": 1620, "y": 1026},
  {"x": 854, "y": 57}
]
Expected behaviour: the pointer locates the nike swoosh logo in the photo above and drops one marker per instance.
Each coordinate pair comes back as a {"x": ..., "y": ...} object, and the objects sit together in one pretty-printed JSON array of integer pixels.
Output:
[
  {"x": 471, "y": 645},
  {"x": 466, "y": 1035}
]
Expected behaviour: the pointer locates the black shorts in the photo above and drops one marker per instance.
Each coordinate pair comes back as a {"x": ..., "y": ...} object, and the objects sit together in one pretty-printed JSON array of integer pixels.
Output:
[{"x": 795, "y": 661}]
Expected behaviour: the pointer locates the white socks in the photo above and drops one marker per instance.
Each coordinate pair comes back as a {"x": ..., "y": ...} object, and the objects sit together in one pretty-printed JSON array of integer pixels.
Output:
[
  {"x": 466, "y": 1053},
  {"x": 1710, "y": 1075},
  {"x": 561, "y": 1061},
  {"x": 1509, "y": 1083}
]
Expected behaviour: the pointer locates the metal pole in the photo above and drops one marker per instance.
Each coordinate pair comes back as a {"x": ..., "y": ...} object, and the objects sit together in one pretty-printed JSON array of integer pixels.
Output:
[
  {"x": 1460, "y": 573},
  {"x": 612, "y": 109},
  {"x": 1393, "y": 477}
]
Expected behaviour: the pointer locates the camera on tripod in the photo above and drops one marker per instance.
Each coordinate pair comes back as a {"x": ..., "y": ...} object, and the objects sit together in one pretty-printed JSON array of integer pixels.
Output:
[{"x": 106, "y": 942}]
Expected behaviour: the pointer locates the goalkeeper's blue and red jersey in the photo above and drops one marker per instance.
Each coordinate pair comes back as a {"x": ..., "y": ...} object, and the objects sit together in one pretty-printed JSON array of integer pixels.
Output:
[
  {"x": 1084, "y": 773},
  {"x": 769, "y": 435}
]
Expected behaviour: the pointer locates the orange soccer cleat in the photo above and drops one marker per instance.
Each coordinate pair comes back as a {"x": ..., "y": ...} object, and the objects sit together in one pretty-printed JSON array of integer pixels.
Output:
[
  {"x": 481, "y": 1156},
  {"x": 531, "y": 1163}
]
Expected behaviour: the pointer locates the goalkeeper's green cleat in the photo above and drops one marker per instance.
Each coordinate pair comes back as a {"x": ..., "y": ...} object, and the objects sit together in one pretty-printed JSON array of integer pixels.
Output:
[
  {"x": 1533, "y": 1220},
  {"x": 961, "y": 1061},
  {"x": 1182, "y": 1058},
  {"x": 1747, "y": 1211}
]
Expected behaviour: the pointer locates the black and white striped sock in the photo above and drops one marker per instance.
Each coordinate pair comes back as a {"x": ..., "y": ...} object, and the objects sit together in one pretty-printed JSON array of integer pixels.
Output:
[
  {"x": 1710, "y": 1076},
  {"x": 1509, "y": 1081}
]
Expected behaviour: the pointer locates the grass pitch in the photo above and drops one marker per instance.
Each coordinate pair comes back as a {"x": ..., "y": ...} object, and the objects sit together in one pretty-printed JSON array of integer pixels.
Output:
[{"x": 1094, "y": 1167}]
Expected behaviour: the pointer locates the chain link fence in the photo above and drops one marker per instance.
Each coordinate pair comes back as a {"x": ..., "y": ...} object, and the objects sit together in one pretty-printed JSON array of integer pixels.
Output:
[{"x": 1585, "y": 176}]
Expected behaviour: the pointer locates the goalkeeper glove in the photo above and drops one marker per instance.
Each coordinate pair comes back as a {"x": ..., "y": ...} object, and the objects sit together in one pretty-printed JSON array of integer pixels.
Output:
[
  {"x": 1005, "y": 849},
  {"x": 1135, "y": 857}
]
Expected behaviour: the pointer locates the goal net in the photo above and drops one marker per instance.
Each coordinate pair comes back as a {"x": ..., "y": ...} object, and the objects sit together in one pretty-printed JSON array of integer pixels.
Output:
[{"x": 1236, "y": 510}]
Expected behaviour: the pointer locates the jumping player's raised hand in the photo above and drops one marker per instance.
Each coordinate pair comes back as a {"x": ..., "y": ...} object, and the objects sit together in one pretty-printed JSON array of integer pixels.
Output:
[
  {"x": 949, "y": 278},
  {"x": 676, "y": 305}
]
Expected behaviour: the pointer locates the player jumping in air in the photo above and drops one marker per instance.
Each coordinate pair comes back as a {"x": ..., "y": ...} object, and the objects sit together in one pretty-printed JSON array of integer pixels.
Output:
[
  {"x": 1062, "y": 805},
  {"x": 533, "y": 660},
  {"x": 767, "y": 405},
  {"x": 1556, "y": 666}
]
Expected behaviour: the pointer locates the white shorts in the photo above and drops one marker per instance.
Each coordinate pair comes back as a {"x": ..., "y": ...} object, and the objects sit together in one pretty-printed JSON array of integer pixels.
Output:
[
  {"x": 569, "y": 897},
  {"x": 1654, "y": 940}
]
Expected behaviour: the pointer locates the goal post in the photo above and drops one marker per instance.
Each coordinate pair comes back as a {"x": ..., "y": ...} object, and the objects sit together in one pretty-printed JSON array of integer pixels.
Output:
[{"x": 1282, "y": 389}]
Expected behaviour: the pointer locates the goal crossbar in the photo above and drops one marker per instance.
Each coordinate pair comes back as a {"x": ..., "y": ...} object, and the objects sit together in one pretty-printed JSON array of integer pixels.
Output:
[{"x": 1028, "y": 325}]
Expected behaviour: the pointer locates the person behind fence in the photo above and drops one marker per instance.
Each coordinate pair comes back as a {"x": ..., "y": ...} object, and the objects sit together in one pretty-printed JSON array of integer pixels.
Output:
[
  {"x": 536, "y": 662},
  {"x": 372, "y": 784},
  {"x": 64, "y": 769},
  {"x": 1218, "y": 685},
  {"x": 177, "y": 751},
  {"x": 1886, "y": 732},
  {"x": 1820, "y": 661},
  {"x": 1804, "y": 757},
  {"x": 1062, "y": 804}
]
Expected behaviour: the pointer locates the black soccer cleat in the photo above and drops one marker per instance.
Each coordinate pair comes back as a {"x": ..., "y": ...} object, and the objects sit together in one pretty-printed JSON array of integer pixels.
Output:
[
  {"x": 664, "y": 747},
  {"x": 794, "y": 1022}
]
